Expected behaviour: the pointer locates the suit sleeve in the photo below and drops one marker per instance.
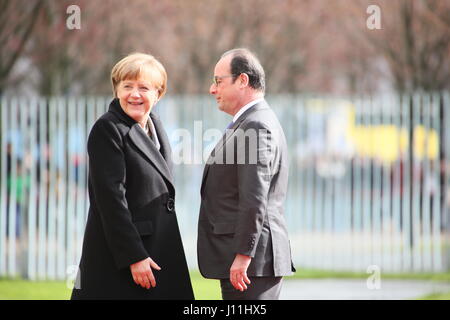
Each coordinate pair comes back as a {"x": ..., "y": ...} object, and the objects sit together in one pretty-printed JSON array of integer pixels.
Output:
[
  {"x": 107, "y": 172},
  {"x": 254, "y": 177}
]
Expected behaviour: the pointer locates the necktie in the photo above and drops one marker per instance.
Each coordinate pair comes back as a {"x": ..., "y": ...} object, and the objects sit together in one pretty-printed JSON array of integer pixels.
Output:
[{"x": 229, "y": 125}]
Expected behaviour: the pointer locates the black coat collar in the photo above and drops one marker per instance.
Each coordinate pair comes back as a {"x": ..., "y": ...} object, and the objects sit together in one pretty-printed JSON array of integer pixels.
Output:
[
  {"x": 115, "y": 108},
  {"x": 161, "y": 160}
]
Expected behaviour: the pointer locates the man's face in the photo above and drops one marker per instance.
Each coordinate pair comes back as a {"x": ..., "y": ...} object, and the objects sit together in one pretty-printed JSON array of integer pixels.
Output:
[{"x": 226, "y": 92}]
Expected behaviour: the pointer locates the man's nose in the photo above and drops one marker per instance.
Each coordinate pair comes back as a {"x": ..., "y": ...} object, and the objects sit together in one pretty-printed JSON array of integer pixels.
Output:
[{"x": 213, "y": 89}]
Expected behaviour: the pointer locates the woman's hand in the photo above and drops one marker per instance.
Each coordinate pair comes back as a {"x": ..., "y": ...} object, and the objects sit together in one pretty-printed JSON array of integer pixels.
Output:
[{"x": 142, "y": 273}]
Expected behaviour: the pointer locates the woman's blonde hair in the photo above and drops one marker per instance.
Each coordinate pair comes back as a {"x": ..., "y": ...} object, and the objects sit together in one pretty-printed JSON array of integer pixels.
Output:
[{"x": 138, "y": 65}]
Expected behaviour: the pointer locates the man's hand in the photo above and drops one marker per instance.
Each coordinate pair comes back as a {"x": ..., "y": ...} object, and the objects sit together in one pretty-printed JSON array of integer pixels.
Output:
[
  {"x": 238, "y": 272},
  {"x": 142, "y": 273}
]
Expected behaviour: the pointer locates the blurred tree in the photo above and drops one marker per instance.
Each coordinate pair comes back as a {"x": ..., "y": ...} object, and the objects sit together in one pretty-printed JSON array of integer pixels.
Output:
[
  {"x": 414, "y": 41},
  {"x": 17, "y": 19},
  {"x": 305, "y": 46}
]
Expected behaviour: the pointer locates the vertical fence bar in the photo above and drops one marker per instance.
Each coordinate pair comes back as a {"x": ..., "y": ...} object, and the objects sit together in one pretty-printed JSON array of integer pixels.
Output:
[
  {"x": 4, "y": 116},
  {"x": 22, "y": 186},
  {"x": 385, "y": 163},
  {"x": 376, "y": 182},
  {"x": 309, "y": 185},
  {"x": 357, "y": 188},
  {"x": 326, "y": 176},
  {"x": 346, "y": 184},
  {"x": 51, "y": 235},
  {"x": 406, "y": 175},
  {"x": 392, "y": 207},
  {"x": 320, "y": 196},
  {"x": 352, "y": 133},
  {"x": 396, "y": 104},
  {"x": 12, "y": 208},
  {"x": 61, "y": 182},
  {"x": 72, "y": 144},
  {"x": 295, "y": 137},
  {"x": 299, "y": 156},
  {"x": 367, "y": 187},
  {"x": 81, "y": 107},
  {"x": 428, "y": 183},
  {"x": 71, "y": 166},
  {"x": 32, "y": 204},
  {"x": 43, "y": 188},
  {"x": 299, "y": 151},
  {"x": 416, "y": 185},
  {"x": 396, "y": 167},
  {"x": 445, "y": 209},
  {"x": 436, "y": 172},
  {"x": 315, "y": 230}
]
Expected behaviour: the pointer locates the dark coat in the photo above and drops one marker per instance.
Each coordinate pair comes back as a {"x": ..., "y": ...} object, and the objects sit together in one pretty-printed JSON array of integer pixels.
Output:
[{"x": 131, "y": 215}]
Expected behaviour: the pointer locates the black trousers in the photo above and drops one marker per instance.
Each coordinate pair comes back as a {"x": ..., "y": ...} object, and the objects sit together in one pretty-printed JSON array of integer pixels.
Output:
[{"x": 260, "y": 288}]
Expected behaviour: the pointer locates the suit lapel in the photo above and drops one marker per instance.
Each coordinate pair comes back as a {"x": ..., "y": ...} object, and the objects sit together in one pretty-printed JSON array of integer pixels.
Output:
[
  {"x": 259, "y": 106},
  {"x": 227, "y": 135}
]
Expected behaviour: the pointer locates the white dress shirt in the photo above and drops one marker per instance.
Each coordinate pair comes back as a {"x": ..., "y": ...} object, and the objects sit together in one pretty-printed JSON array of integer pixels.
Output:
[
  {"x": 245, "y": 108},
  {"x": 152, "y": 129}
]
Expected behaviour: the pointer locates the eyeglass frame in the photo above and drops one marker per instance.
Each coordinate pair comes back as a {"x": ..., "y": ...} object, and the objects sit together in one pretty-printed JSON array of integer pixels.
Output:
[{"x": 217, "y": 78}]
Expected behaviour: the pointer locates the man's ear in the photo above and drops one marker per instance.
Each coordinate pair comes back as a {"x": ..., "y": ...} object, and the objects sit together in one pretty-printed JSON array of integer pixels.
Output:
[{"x": 243, "y": 77}]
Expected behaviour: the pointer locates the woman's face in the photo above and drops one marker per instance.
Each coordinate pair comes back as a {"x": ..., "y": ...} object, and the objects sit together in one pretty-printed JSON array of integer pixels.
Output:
[{"x": 137, "y": 98}]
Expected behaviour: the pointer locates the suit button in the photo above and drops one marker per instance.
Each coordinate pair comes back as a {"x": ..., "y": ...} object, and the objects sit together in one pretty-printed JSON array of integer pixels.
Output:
[{"x": 170, "y": 205}]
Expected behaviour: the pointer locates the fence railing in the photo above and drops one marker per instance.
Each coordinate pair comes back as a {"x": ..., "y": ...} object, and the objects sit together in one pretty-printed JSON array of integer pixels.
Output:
[{"x": 369, "y": 179}]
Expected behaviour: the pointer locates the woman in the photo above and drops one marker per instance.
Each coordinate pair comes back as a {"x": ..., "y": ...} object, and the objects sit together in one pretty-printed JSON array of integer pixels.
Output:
[{"x": 132, "y": 247}]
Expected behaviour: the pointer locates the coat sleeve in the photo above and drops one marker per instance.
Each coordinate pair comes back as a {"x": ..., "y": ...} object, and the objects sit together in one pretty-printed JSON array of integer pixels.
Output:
[
  {"x": 107, "y": 172},
  {"x": 254, "y": 176}
]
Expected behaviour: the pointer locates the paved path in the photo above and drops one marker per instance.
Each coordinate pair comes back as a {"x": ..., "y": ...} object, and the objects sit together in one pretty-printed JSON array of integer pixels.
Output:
[{"x": 357, "y": 289}]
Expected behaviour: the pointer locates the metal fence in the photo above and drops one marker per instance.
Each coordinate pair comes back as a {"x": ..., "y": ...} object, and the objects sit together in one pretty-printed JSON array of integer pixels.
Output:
[{"x": 369, "y": 179}]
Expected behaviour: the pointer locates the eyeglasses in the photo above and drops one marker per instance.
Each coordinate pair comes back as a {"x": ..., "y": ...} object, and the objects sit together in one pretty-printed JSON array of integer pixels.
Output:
[{"x": 216, "y": 79}]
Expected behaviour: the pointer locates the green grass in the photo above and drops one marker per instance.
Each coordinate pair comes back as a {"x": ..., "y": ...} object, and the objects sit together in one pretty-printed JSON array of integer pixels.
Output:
[
  {"x": 18, "y": 289},
  {"x": 324, "y": 274},
  {"x": 33, "y": 290},
  {"x": 437, "y": 296},
  {"x": 204, "y": 289}
]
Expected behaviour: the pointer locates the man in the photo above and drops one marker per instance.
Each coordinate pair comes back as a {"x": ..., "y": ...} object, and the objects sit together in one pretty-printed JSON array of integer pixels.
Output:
[{"x": 242, "y": 234}]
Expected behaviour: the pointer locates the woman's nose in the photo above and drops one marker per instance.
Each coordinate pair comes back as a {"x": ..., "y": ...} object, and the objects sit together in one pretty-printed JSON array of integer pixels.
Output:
[{"x": 135, "y": 93}]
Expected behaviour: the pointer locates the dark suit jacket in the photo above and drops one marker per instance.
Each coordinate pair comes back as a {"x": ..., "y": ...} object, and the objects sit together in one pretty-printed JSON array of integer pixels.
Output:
[
  {"x": 242, "y": 199},
  {"x": 131, "y": 215}
]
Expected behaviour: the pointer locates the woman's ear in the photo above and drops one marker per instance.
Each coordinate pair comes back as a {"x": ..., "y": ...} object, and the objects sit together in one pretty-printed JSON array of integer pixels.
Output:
[{"x": 159, "y": 96}]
